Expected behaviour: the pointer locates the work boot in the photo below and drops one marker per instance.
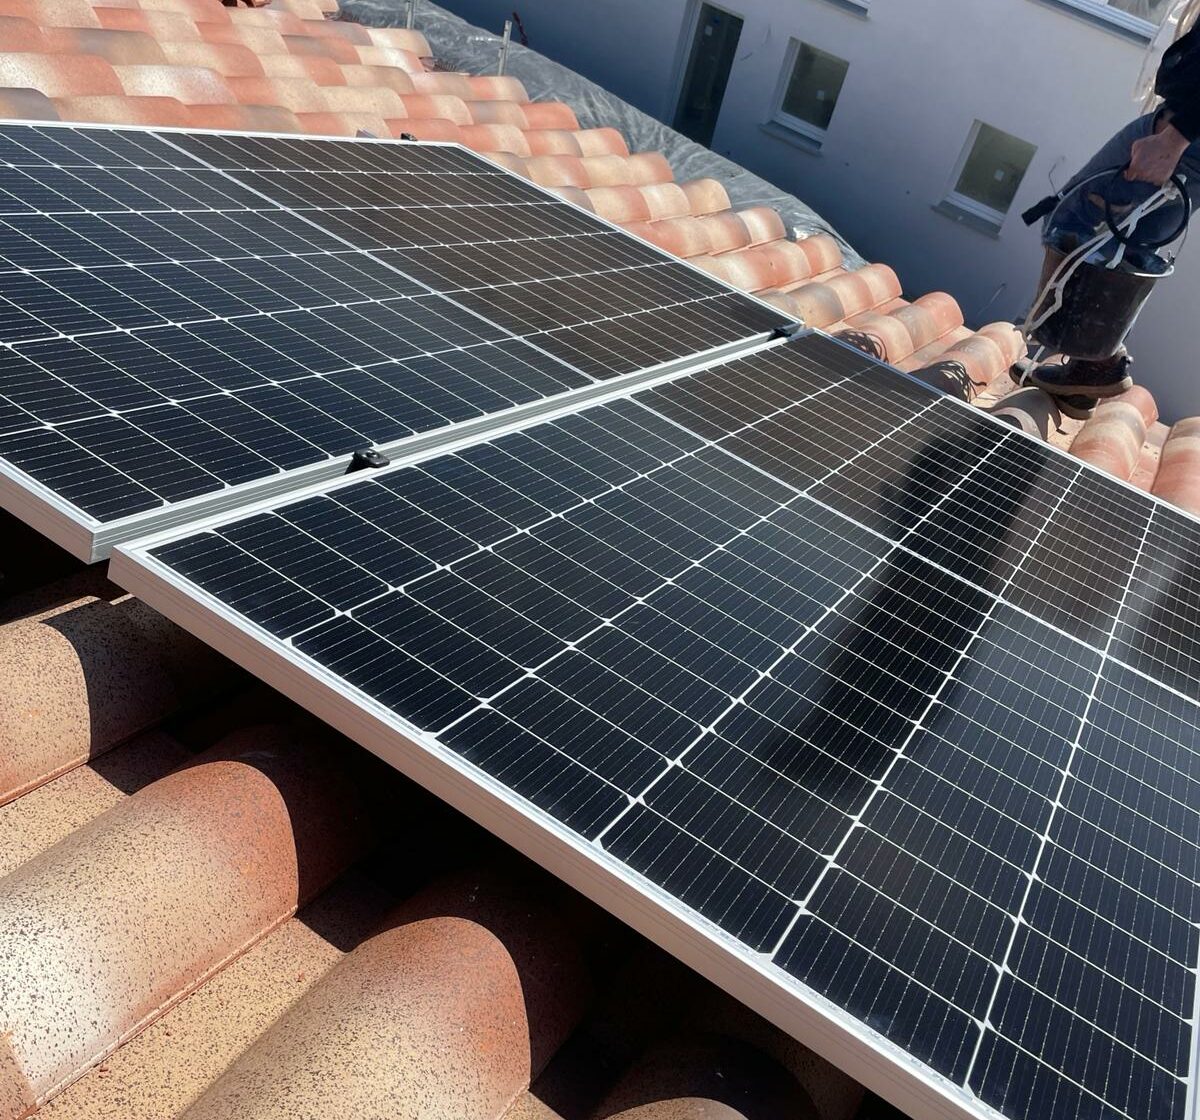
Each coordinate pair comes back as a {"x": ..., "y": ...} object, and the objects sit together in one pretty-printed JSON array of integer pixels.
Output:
[
  {"x": 1077, "y": 377},
  {"x": 1077, "y": 406}
]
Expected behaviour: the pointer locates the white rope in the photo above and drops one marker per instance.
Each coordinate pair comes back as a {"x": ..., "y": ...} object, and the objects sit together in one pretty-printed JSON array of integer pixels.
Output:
[{"x": 1071, "y": 263}]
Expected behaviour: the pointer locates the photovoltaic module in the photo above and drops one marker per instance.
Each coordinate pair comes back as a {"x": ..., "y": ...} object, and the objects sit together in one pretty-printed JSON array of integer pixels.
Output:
[
  {"x": 184, "y": 316},
  {"x": 861, "y": 708}
]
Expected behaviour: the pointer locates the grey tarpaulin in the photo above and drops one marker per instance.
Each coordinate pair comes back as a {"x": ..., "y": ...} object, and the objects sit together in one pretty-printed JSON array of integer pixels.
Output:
[{"x": 459, "y": 45}]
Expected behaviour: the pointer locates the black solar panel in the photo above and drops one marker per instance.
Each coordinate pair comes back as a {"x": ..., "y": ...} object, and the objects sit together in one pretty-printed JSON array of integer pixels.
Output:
[
  {"x": 881, "y": 699},
  {"x": 175, "y": 323},
  {"x": 591, "y": 295}
]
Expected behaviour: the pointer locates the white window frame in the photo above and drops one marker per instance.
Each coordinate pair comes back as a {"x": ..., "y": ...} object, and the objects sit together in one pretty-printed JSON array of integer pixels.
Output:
[
  {"x": 1104, "y": 10},
  {"x": 805, "y": 128},
  {"x": 964, "y": 202}
]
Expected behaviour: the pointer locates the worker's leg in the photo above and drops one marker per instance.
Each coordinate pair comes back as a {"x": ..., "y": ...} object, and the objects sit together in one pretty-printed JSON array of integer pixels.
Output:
[
  {"x": 1078, "y": 383},
  {"x": 1081, "y": 213}
]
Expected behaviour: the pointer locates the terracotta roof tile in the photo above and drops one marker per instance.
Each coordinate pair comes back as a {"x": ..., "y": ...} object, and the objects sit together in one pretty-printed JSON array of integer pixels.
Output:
[
  {"x": 82, "y": 676},
  {"x": 99, "y": 934},
  {"x": 824, "y": 303},
  {"x": 627, "y": 204},
  {"x": 53, "y": 13},
  {"x": 345, "y": 123},
  {"x": 407, "y": 61},
  {"x": 1148, "y": 461},
  {"x": 172, "y": 27},
  {"x": 376, "y": 99},
  {"x": 19, "y": 34},
  {"x": 365, "y": 75},
  {"x": 448, "y": 1011},
  {"x": 727, "y": 232},
  {"x": 273, "y": 17},
  {"x": 983, "y": 357},
  {"x": 434, "y": 128},
  {"x": 550, "y": 114},
  {"x": 57, "y": 75},
  {"x": 493, "y": 87},
  {"x": 877, "y": 333},
  {"x": 298, "y": 95},
  {"x": 1139, "y": 396},
  {"x": 156, "y": 1075},
  {"x": 1112, "y": 439},
  {"x": 196, "y": 9},
  {"x": 528, "y": 1107},
  {"x": 438, "y": 106},
  {"x": 231, "y": 60},
  {"x": 1178, "y": 478},
  {"x": 413, "y": 43},
  {"x": 495, "y": 138},
  {"x": 113, "y": 44},
  {"x": 559, "y": 171},
  {"x": 246, "y": 118},
  {"x": 497, "y": 112},
  {"x": 706, "y": 196},
  {"x": 305, "y": 9},
  {"x": 323, "y": 71},
  {"x": 27, "y": 104},
  {"x": 1031, "y": 410},
  {"x": 336, "y": 49},
  {"x": 263, "y": 41},
  {"x": 193, "y": 85},
  {"x": 685, "y": 237},
  {"x": 931, "y": 352},
  {"x": 43, "y": 817}
]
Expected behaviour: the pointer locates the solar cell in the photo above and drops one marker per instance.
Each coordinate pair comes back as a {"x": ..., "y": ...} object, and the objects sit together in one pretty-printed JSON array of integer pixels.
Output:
[
  {"x": 857, "y": 718},
  {"x": 176, "y": 323}
]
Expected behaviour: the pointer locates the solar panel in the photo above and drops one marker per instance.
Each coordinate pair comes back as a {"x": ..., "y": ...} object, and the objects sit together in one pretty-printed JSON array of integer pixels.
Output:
[
  {"x": 881, "y": 723},
  {"x": 184, "y": 317}
]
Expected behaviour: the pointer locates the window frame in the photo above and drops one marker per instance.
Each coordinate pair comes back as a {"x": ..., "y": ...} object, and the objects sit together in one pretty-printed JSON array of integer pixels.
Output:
[
  {"x": 1106, "y": 12},
  {"x": 683, "y": 50},
  {"x": 779, "y": 115},
  {"x": 965, "y": 202}
]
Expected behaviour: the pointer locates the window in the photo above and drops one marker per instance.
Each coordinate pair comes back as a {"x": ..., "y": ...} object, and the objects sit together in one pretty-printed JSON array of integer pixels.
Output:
[
  {"x": 993, "y": 165},
  {"x": 1142, "y": 16},
  {"x": 810, "y": 93},
  {"x": 714, "y": 48},
  {"x": 1152, "y": 11}
]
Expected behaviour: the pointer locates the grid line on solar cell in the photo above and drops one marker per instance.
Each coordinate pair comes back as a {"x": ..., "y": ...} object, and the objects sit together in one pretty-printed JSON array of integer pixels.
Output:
[
  {"x": 336, "y": 439},
  {"x": 766, "y": 673},
  {"x": 935, "y": 698},
  {"x": 842, "y": 742},
  {"x": 1128, "y": 567},
  {"x": 1012, "y": 494}
]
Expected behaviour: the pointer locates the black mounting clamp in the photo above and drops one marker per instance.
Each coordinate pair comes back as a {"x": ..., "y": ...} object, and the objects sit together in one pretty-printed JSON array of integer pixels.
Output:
[
  {"x": 367, "y": 459},
  {"x": 790, "y": 331}
]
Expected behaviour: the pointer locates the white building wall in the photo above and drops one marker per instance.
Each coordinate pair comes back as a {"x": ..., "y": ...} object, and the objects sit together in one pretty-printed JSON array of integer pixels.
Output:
[{"x": 921, "y": 72}]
